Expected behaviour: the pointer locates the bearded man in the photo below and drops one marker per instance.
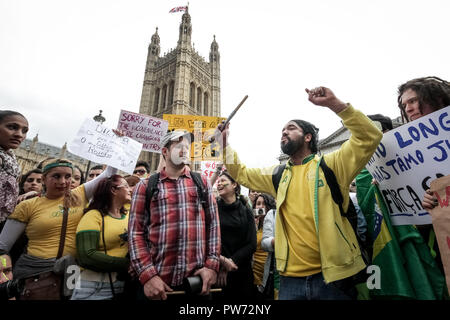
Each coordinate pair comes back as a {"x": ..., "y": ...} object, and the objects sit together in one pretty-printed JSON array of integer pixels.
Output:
[{"x": 316, "y": 249}]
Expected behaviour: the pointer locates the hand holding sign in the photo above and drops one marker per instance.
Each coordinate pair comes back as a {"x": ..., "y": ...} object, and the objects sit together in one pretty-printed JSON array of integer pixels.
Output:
[{"x": 101, "y": 144}]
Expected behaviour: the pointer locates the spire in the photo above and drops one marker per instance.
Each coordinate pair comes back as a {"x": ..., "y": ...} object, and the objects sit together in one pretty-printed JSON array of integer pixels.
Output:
[
  {"x": 214, "y": 55},
  {"x": 154, "y": 47},
  {"x": 33, "y": 144},
  {"x": 185, "y": 29},
  {"x": 155, "y": 37}
]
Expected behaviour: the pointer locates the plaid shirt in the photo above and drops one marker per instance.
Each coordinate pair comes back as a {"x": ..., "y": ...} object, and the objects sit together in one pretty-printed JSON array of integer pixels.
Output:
[{"x": 181, "y": 238}]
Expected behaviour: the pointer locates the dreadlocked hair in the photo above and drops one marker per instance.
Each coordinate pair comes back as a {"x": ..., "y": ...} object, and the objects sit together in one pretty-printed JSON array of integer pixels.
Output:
[
  {"x": 70, "y": 199},
  {"x": 430, "y": 90}
]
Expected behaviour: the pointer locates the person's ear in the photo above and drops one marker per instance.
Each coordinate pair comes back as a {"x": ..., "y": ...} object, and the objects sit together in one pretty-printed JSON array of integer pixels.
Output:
[
  {"x": 308, "y": 137},
  {"x": 164, "y": 152}
]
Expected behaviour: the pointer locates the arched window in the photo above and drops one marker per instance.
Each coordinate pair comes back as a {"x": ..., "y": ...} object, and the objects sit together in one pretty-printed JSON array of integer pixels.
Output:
[
  {"x": 171, "y": 92},
  {"x": 156, "y": 102},
  {"x": 205, "y": 104},
  {"x": 199, "y": 99},
  {"x": 164, "y": 95},
  {"x": 192, "y": 95}
]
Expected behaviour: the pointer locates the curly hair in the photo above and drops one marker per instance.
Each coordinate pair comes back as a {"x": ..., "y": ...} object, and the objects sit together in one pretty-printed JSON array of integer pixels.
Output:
[
  {"x": 430, "y": 90},
  {"x": 269, "y": 201}
]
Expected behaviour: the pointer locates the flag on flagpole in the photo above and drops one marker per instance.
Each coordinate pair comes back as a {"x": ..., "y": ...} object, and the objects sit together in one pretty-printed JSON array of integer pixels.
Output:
[{"x": 178, "y": 9}]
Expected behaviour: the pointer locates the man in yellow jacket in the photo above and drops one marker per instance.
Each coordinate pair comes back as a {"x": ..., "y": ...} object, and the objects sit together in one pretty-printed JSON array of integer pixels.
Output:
[{"x": 316, "y": 249}]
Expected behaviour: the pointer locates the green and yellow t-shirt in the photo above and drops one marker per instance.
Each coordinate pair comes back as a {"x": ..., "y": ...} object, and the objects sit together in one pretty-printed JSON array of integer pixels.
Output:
[
  {"x": 304, "y": 256},
  {"x": 44, "y": 218},
  {"x": 114, "y": 227}
]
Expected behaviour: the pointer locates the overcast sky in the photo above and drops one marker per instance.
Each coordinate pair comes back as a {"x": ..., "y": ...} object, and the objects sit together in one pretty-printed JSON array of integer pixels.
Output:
[{"x": 63, "y": 60}]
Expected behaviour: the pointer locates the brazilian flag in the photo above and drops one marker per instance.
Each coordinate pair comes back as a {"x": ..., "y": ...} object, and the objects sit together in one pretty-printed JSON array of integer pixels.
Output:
[{"x": 407, "y": 269}]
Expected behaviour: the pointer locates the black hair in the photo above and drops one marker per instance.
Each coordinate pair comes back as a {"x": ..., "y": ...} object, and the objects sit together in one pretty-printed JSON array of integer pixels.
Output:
[
  {"x": 25, "y": 177},
  {"x": 143, "y": 164},
  {"x": 9, "y": 113},
  {"x": 269, "y": 201},
  {"x": 97, "y": 167},
  {"x": 386, "y": 122},
  {"x": 308, "y": 127},
  {"x": 430, "y": 90},
  {"x": 237, "y": 190}
]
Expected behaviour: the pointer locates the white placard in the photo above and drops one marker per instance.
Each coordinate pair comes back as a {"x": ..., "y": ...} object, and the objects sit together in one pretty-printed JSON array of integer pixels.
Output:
[
  {"x": 407, "y": 160},
  {"x": 100, "y": 144},
  {"x": 144, "y": 129}
]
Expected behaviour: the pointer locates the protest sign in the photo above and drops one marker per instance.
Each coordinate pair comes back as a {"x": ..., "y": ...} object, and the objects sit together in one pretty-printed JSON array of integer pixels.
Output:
[
  {"x": 100, "y": 144},
  {"x": 208, "y": 168},
  {"x": 440, "y": 216},
  {"x": 144, "y": 129},
  {"x": 202, "y": 127},
  {"x": 407, "y": 160}
]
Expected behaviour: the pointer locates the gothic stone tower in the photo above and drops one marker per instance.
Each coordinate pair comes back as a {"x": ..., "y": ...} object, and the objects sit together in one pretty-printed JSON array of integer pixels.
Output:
[{"x": 180, "y": 82}]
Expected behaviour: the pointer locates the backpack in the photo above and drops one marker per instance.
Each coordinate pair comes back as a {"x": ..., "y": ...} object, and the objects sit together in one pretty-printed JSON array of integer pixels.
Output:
[
  {"x": 351, "y": 215},
  {"x": 152, "y": 189}
]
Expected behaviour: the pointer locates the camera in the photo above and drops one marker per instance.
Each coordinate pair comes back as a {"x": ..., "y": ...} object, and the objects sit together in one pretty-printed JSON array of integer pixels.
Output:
[
  {"x": 259, "y": 212},
  {"x": 11, "y": 288}
]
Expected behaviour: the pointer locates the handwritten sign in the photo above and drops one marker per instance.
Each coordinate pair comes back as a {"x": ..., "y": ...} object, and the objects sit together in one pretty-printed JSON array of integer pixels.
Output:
[
  {"x": 208, "y": 168},
  {"x": 441, "y": 221},
  {"x": 407, "y": 160},
  {"x": 100, "y": 144},
  {"x": 202, "y": 127},
  {"x": 144, "y": 129}
]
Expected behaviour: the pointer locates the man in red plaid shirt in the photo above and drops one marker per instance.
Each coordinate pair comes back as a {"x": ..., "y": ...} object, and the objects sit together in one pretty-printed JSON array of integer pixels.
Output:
[{"x": 181, "y": 239}]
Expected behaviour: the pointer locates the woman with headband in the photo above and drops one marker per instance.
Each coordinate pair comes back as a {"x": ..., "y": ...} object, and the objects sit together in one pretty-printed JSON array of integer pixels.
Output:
[{"x": 43, "y": 220}]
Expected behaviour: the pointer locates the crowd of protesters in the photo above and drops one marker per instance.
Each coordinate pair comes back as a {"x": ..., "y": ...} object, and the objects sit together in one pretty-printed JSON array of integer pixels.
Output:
[{"x": 170, "y": 235}]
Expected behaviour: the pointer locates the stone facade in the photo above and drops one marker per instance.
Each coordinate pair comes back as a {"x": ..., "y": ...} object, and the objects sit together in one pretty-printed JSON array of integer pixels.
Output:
[
  {"x": 31, "y": 152},
  {"x": 180, "y": 82}
]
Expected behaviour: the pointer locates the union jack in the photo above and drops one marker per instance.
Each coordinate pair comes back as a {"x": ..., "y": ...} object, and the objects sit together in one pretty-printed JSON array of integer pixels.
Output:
[{"x": 178, "y": 9}]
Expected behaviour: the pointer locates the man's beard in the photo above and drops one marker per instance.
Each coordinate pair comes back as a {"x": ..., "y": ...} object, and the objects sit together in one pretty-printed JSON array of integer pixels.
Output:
[{"x": 291, "y": 147}]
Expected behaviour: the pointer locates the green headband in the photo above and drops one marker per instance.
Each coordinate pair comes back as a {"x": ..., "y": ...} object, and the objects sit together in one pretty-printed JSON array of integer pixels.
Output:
[{"x": 57, "y": 164}]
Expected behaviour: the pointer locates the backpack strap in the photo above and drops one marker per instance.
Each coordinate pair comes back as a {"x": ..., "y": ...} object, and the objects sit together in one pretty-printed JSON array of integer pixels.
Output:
[
  {"x": 152, "y": 189},
  {"x": 276, "y": 176},
  {"x": 201, "y": 189},
  {"x": 336, "y": 194}
]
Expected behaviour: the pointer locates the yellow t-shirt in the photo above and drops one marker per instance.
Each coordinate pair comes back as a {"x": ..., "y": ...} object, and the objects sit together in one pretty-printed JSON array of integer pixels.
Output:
[
  {"x": 304, "y": 256},
  {"x": 44, "y": 217},
  {"x": 259, "y": 259},
  {"x": 114, "y": 227}
]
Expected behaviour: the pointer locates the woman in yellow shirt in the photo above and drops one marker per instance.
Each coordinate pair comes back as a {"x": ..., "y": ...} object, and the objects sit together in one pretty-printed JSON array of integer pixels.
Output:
[
  {"x": 42, "y": 218},
  {"x": 102, "y": 244}
]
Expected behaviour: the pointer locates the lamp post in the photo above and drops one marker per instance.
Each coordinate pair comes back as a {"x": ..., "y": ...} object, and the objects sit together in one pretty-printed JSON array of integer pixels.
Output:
[{"x": 101, "y": 119}]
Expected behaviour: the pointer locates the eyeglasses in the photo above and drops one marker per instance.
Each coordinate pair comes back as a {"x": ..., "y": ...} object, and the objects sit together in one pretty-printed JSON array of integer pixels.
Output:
[
  {"x": 122, "y": 186},
  {"x": 140, "y": 171}
]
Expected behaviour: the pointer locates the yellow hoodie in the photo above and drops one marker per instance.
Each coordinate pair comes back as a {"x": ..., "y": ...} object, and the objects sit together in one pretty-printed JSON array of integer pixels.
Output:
[{"x": 339, "y": 252}]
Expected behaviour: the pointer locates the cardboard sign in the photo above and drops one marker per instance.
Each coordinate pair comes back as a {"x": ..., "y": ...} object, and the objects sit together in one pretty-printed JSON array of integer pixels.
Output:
[
  {"x": 100, "y": 144},
  {"x": 440, "y": 216},
  {"x": 202, "y": 128},
  {"x": 144, "y": 129},
  {"x": 407, "y": 160}
]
